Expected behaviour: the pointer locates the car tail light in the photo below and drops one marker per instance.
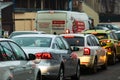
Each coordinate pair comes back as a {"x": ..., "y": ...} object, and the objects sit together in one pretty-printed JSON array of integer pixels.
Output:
[
  {"x": 86, "y": 51},
  {"x": 69, "y": 36},
  {"x": 108, "y": 49},
  {"x": 44, "y": 55}
]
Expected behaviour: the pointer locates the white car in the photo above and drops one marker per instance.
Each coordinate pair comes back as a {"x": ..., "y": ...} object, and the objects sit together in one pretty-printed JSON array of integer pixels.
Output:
[
  {"x": 57, "y": 60},
  {"x": 90, "y": 52},
  {"x": 14, "y": 63},
  {"x": 15, "y": 33}
]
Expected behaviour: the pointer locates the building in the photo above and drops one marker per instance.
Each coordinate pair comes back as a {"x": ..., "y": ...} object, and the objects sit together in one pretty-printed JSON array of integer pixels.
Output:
[
  {"x": 6, "y": 18},
  {"x": 25, "y": 10}
]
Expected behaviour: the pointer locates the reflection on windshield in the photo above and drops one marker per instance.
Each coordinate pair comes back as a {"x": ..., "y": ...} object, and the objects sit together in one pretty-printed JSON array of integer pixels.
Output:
[
  {"x": 33, "y": 41},
  {"x": 101, "y": 36}
]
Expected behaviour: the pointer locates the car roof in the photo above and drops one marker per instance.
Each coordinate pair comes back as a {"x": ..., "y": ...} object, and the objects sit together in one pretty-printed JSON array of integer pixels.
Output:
[
  {"x": 37, "y": 35},
  {"x": 5, "y": 39},
  {"x": 29, "y": 31},
  {"x": 76, "y": 34}
]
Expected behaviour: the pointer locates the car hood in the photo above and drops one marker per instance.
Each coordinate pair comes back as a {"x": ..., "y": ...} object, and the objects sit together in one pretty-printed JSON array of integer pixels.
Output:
[{"x": 34, "y": 50}]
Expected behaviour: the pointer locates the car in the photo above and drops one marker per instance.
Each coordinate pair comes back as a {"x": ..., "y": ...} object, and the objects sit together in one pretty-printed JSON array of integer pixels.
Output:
[
  {"x": 110, "y": 26},
  {"x": 14, "y": 63},
  {"x": 57, "y": 60},
  {"x": 118, "y": 34},
  {"x": 112, "y": 44},
  {"x": 90, "y": 52},
  {"x": 101, "y": 28},
  {"x": 14, "y": 33}
]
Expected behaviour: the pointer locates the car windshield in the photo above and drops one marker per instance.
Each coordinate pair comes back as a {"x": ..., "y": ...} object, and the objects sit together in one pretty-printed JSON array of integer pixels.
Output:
[
  {"x": 76, "y": 41},
  {"x": 101, "y": 36},
  {"x": 33, "y": 41}
]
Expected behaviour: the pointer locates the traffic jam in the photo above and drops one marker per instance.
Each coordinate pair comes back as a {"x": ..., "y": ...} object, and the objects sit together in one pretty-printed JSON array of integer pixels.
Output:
[{"x": 62, "y": 46}]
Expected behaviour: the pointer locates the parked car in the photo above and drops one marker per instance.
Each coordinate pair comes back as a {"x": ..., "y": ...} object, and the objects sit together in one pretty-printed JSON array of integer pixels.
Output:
[
  {"x": 14, "y": 64},
  {"x": 110, "y": 26},
  {"x": 112, "y": 44},
  {"x": 14, "y": 33},
  {"x": 57, "y": 60},
  {"x": 90, "y": 52}
]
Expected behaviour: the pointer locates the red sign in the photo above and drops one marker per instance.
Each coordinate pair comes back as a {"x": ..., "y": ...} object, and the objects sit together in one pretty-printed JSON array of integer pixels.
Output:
[
  {"x": 58, "y": 22},
  {"x": 78, "y": 26}
]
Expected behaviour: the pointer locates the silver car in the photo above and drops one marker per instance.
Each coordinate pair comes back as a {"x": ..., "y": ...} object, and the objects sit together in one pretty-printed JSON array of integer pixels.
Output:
[
  {"x": 14, "y": 64},
  {"x": 57, "y": 61}
]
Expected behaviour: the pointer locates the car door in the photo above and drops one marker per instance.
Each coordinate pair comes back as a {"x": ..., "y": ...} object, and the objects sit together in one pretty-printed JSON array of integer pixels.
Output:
[
  {"x": 69, "y": 62},
  {"x": 25, "y": 69},
  {"x": 116, "y": 43},
  {"x": 99, "y": 50},
  {"x": 13, "y": 65}
]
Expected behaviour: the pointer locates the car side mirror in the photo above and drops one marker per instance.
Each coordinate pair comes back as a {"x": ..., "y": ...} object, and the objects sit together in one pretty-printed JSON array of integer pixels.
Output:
[
  {"x": 31, "y": 57},
  {"x": 75, "y": 48}
]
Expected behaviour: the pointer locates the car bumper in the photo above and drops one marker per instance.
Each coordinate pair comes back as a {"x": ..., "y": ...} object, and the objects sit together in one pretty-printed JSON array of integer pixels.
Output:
[{"x": 86, "y": 61}]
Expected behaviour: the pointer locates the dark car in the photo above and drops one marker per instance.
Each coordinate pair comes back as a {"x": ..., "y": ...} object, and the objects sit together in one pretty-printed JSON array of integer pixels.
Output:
[{"x": 110, "y": 26}]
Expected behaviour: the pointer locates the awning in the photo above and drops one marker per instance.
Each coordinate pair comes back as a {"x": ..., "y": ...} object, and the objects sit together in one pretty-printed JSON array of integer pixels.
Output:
[{"x": 5, "y": 4}]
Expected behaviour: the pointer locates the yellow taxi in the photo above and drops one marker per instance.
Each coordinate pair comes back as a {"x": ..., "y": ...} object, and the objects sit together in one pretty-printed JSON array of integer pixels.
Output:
[{"x": 112, "y": 44}]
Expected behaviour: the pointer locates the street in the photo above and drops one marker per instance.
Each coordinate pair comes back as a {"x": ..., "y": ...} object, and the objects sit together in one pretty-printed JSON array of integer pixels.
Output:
[{"x": 112, "y": 73}]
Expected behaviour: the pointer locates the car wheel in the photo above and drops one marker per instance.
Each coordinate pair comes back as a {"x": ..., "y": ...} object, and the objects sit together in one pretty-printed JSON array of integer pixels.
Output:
[
  {"x": 61, "y": 74},
  {"x": 113, "y": 59},
  {"x": 94, "y": 68},
  {"x": 104, "y": 66},
  {"x": 77, "y": 75},
  {"x": 38, "y": 76}
]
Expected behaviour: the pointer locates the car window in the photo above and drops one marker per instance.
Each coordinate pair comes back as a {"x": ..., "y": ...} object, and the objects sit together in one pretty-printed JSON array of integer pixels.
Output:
[
  {"x": 118, "y": 36},
  {"x": 75, "y": 41},
  {"x": 18, "y": 52},
  {"x": 89, "y": 41},
  {"x": 112, "y": 36},
  {"x": 66, "y": 43},
  {"x": 60, "y": 43},
  {"x": 115, "y": 36},
  {"x": 94, "y": 40},
  {"x": 6, "y": 52}
]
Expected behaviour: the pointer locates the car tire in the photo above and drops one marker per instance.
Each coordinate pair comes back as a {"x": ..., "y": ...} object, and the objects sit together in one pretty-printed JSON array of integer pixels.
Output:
[
  {"x": 77, "y": 75},
  {"x": 38, "y": 77},
  {"x": 112, "y": 59},
  {"x": 61, "y": 74},
  {"x": 104, "y": 66},
  {"x": 94, "y": 67}
]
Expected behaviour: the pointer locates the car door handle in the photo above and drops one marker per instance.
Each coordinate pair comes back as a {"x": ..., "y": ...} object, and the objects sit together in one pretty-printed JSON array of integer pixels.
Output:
[{"x": 11, "y": 67}]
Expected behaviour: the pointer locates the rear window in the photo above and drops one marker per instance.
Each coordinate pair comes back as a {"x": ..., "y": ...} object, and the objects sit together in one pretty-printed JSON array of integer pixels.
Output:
[
  {"x": 75, "y": 41},
  {"x": 101, "y": 36}
]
